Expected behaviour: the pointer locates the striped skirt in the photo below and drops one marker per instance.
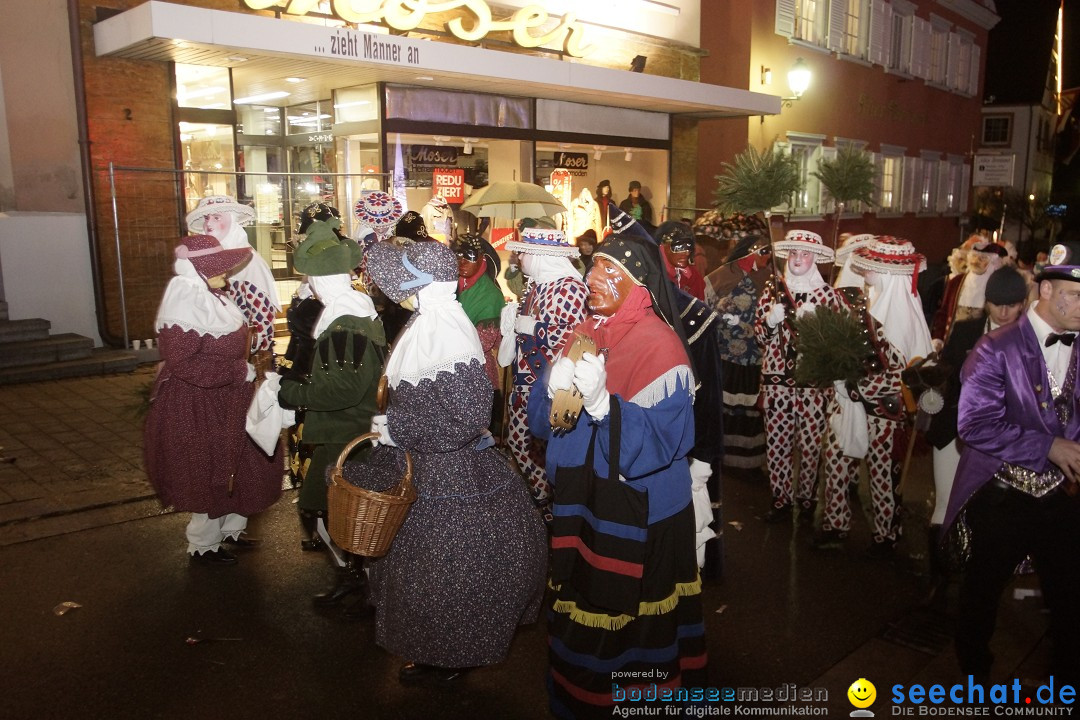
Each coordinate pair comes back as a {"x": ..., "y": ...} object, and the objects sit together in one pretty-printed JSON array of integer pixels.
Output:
[
  {"x": 744, "y": 426},
  {"x": 594, "y": 654}
]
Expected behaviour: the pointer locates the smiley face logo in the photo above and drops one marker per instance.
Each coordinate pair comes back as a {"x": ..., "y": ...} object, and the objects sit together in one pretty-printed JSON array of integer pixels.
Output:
[{"x": 862, "y": 693}]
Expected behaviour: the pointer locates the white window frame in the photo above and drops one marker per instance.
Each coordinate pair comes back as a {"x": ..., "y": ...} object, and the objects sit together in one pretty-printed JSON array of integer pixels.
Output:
[
  {"x": 890, "y": 195},
  {"x": 849, "y": 28},
  {"x": 921, "y": 32},
  {"x": 803, "y": 22},
  {"x": 910, "y": 176},
  {"x": 940, "y": 30},
  {"x": 951, "y": 188},
  {"x": 927, "y": 182},
  {"x": 899, "y": 34},
  {"x": 808, "y": 149}
]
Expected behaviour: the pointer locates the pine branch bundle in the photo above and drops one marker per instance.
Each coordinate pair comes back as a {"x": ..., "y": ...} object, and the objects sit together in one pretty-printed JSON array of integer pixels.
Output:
[
  {"x": 756, "y": 182},
  {"x": 849, "y": 177},
  {"x": 833, "y": 345}
]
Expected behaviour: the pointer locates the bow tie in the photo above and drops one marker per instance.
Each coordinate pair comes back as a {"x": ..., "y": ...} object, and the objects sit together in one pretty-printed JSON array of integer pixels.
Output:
[{"x": 1063, "y": 338}]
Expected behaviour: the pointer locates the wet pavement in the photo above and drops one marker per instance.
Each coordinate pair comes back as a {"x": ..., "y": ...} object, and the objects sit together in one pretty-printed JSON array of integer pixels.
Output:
[{"x": 155, "y": 636}]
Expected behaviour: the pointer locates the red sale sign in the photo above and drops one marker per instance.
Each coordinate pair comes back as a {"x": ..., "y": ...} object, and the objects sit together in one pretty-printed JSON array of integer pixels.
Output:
[{"x": 449, "y": 184}]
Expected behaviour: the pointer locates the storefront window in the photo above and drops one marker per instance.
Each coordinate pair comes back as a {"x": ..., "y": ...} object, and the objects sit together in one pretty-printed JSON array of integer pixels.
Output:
[
  {"x": 203, "y": 87},
  {"x": 356, "y": 104},
  {"x": 207, "y": 150},
  {"x": 314, "y": 117},
  {"x": 258, "y": 120}
]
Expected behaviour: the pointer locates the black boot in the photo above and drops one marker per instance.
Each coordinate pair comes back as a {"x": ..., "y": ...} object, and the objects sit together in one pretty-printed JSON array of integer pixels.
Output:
[
  {"x": 936, "y": 595},
  {"x": 350, "y": 580},
  {"x": 309, "y": 522}
]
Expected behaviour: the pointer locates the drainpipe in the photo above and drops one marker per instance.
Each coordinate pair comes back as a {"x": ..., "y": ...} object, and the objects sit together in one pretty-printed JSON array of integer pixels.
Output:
[{"x": 75, "y": 35}]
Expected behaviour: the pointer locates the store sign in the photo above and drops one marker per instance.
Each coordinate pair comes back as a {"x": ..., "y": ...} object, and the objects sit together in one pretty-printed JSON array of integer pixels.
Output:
[
  {"x": 562, "y": 186},
  {"x": 993, "y": 170},
  {"x": 576, "y": 163},
  {"x": 474, "y": 26},
  {"x": 318, "y": 138},
  {"x": 449, "y": 185},
  {"x": 420, "y": 155}
]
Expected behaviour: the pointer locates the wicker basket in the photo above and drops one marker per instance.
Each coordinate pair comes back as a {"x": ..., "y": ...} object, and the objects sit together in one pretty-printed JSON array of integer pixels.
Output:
[{"x": 362, "y": 521}]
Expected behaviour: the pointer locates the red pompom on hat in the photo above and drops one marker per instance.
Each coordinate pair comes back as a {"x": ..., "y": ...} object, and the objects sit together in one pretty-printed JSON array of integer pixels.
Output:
[{"x": 208, "y": 257}]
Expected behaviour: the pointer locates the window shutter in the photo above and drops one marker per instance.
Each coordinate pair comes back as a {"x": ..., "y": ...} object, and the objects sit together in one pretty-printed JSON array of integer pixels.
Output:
[
  {"x": 785, "y": 18},
  {"x": 880, "y": 32},
  {"x": 911, "y": 179},
  {"x": 784, "y": 149},
  {"x": 965, "y": 187},
  {"x": 973, "y": 76},
  {"x": 837, "y": 21},
  {"x": 942, "y": 204},
  {"x": 952, "y": 65},
  {"x": 921, "y": 31},
  {"x": 879, "y": 181}
]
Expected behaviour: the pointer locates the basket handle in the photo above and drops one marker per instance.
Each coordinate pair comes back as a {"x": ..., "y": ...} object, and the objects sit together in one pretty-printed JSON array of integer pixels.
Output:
[{"x": 336, "y": 475}]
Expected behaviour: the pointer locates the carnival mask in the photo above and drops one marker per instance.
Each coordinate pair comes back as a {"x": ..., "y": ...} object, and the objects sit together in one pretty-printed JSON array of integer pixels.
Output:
[{"x": 609, "y": 286}]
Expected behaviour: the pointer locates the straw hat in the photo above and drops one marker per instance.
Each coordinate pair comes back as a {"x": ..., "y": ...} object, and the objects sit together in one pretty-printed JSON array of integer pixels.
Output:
[
  {"x": 851, "y": 244},
  {"x": 378, "y": 211},
  {"x": 543, "y": 241},
  {"x": 889, "y": 255},
  {"x": 803, "y": 240},
  {"x": 242, "y": 214}
]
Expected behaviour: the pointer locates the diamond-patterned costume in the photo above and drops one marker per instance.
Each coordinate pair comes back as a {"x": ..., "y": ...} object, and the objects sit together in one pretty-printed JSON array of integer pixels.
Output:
[
  {"x": 792, "y": 412},
  {"x": 557, "y": 306}
]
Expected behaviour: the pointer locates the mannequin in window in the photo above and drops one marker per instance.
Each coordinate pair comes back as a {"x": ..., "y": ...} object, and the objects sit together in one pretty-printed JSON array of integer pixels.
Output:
[
  {"x": 584, "y": 214},
  {"x": 438, "y": 218},
  {"x": 603, "y": 197},
  {"x": 635, "y": 205}
]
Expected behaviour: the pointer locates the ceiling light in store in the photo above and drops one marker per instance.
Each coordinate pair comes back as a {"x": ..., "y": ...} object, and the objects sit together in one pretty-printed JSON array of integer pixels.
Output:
[
  {"x": 425, "y": 77},
  {"x": 260, "y": 98},
  {"x": 271, "y": 110},
  {"x": 186, "y": 94},
  {"x": 440, "y": 139},
  {"x": 179, "y": 43},
  {"x": 354, "y": 103},
  {"x": 598, "y": 151},
  {"x": 214, "y": 106},
  {"x": 469, "y": 144},
  {"x": 236, "y": 58},
  {"x": 629, "y": 155},
  {"x": 295, "y": 79}
]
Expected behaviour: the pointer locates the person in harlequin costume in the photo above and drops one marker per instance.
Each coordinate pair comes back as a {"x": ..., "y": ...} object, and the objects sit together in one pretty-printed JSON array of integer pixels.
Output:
[
  {"x": 793, "y": 413},
  {"x": 636, "y": 430},
  {"x": 534, "y": 330},
  {"x": 339, "y": 390},
  {"x": 965, "y": 293},
  {"x": 872, "y": 416},
  {"x": 677, "y": 242},
  {"x": 252, "y": 287},
  {"x": 480, "y": 296},
  {"x": 198, "y": 456}
]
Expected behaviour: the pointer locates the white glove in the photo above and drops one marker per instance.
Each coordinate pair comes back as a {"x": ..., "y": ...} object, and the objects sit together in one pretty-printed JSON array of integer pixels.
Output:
[
  {"x": 507, "y": 349},
  {"x": 507, "y": 318},
  {"x": 250, "y": 373},
  {"x": 840, "y": 388},
  {"x": 730, "y": 319},
  {"x": 806, "y": 309},
  {"x": 776, "y": 315},
  {"x": 379, "y": 425},
  {"x": 937, "y": 344},
  {"x": 590, "y": 376},
  {"x": 561, "y": 376},
  {"x": 525, "y": 325}
]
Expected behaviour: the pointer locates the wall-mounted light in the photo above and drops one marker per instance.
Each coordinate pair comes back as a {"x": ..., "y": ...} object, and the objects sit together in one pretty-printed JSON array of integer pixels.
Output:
[
  {"x": 629, "y": 155},
  {"x": 766, "y": 75},
  {"x": 798, "y": 78}
]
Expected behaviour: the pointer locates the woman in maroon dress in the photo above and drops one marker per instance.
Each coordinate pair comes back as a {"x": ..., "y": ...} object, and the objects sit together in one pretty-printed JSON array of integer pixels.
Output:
[{"x": 198, "y": 455}]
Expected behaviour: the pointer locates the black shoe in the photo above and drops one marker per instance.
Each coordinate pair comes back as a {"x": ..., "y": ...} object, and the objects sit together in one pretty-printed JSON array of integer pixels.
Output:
[
  {"x": 243, "y": 541},
  {"x": 806, "y": 512},
  {"x": 827, "y": 538},
  {"x": 221, "y": 556},
  {"x": 314, "y": 543},
  {"x": 418, "y": 672},
  {"x": 351, "y": 580},
  {"x": 777, "y": 514}
]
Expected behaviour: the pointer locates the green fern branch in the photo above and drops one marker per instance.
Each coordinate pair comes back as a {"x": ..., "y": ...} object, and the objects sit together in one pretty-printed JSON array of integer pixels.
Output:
[
  {"x": 849, "y": 177},
  {"x": 756, "y": 182}
]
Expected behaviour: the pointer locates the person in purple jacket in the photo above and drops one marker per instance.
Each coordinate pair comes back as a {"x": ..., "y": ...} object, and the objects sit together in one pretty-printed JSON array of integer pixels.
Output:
[{"x": 1017, "y": 478}]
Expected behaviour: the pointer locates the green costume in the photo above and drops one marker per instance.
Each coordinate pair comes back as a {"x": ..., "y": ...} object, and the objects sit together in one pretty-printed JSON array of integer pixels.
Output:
[
  {"x": 483, "y": 300},
  {"x": 339, "y": 396}
]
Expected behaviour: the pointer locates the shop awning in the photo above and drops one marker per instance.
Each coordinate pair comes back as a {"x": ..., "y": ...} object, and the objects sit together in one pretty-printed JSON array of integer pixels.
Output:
[{"x": 263, "y": 51}]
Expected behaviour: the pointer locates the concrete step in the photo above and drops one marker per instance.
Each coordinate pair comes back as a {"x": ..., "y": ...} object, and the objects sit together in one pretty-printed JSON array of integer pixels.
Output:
[
  {"x": 101, "y": 361},
  {"x": 54, "y": 348},
  {"x": 19, "y": 330}
]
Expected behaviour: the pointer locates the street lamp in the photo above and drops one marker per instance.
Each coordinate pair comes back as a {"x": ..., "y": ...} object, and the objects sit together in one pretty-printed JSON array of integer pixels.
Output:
[{"x": 798, "y": 78}]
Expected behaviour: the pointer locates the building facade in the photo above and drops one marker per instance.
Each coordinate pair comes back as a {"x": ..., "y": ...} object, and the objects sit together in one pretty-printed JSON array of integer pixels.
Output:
[{"x": 899, "y": 80}]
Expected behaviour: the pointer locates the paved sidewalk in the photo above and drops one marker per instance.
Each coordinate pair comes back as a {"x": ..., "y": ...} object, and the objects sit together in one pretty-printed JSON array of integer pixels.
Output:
[{"x": 75, "y": 451}]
